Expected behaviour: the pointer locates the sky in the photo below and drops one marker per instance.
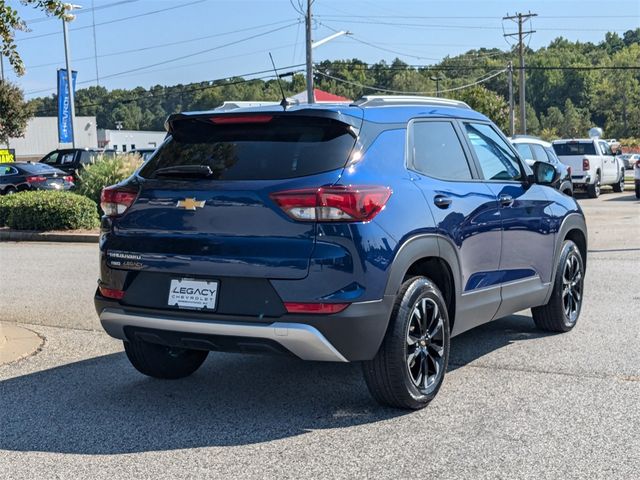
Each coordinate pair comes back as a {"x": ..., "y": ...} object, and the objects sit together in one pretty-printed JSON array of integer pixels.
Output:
[{"x": 168, "y": 42}]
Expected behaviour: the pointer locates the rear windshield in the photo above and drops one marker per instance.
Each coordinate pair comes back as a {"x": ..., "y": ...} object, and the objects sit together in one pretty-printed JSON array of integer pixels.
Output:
[
  {"x": 575, "y": 148},
  {"x": 277, "y": 149},
  {"x": 37, "y": 168}
]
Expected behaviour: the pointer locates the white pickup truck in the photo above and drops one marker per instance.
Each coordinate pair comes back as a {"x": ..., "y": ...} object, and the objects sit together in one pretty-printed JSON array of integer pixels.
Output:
[{"x": 592, "y": 164}]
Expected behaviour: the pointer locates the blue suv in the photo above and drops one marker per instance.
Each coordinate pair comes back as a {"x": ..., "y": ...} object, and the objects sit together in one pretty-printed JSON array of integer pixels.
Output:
[{"x": 370, "y": 232}]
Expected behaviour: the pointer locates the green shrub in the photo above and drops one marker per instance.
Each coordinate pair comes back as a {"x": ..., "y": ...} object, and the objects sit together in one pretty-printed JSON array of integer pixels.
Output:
[
  {"x": 47, "y": 210},
  {"x": 104, "y": 172},
  {"x": 6, "y": 204}
]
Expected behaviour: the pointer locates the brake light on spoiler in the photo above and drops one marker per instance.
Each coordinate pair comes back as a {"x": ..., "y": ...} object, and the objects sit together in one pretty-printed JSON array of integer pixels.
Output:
[
  {"x": 350, "y": 203},
  {"x": 230, "y": 119}
]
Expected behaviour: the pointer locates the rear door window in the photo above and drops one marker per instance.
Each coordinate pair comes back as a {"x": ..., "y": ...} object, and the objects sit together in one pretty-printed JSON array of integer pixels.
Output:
[
  {"x": 524, "y": 150},
  {"x": 539, "y": 153},
  {"x": 574, "y": 148},
  {"x": 7, "y": 170},
  {"x": 51, "y": 159},
  {"x": 437, "y": 151},
  {"x": 276, "y": 147}
]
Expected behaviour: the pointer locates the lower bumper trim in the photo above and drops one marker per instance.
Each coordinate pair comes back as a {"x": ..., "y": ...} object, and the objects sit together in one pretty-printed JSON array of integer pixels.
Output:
[{"x": 304, "y": 341}]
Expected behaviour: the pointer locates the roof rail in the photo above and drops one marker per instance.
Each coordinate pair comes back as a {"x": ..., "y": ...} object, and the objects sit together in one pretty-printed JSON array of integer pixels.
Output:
[{"x": 382, "y": 100}]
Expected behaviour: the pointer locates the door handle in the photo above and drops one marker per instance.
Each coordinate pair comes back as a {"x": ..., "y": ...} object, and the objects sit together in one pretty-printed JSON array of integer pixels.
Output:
[
  {"x": 442, "y": 201},
  {"x": 506, "y": 200}
]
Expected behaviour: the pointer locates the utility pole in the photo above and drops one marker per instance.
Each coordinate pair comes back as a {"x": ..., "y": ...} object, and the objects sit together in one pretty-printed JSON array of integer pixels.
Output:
[
  {"x": 2, "y": 67},
  {"x": 95, "y": 41},
  {"x": 521, "y": 18},
  {"x": 307, "y": 23},
  {"x": 512, "y": 117},
  {"x": 437, "y": 80}
]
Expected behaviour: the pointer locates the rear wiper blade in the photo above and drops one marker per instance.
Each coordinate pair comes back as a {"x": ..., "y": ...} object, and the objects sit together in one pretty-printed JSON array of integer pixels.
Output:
[{"x": 184, "y": 171}]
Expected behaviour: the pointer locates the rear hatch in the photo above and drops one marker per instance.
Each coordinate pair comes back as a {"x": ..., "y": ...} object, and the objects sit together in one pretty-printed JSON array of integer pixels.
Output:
[
  {"x": 203, "y": 206},
  {"x": 573, "y": 154}
]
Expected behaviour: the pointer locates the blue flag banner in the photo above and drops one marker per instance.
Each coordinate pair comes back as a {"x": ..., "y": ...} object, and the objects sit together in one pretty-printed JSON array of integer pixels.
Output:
[{"x": 65, "y": 134}]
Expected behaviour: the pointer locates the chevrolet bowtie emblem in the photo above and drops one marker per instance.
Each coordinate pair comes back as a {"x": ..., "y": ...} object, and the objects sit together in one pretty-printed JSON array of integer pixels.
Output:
[{"x": 190, "y": 204}]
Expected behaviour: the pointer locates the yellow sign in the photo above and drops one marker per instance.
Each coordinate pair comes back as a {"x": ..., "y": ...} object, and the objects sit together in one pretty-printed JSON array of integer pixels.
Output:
[{"x": 7, "y": 155}]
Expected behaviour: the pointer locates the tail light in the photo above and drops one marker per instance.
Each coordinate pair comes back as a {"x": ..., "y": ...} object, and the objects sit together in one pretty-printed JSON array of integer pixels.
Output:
[
  {"x": 111, "y": 293},
  {"x": 68, "y": 178},
  {"x": 315, "y": 308},
  {"x": 36, "y": 179},
  {"x": 585, "y": 164},
  {"x": 350, "y": 203},
  {"x": 115, "y": 201}
]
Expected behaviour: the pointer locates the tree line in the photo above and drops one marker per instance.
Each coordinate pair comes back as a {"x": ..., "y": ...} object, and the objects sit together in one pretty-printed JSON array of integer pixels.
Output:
[{"x": 571, "y": 86}]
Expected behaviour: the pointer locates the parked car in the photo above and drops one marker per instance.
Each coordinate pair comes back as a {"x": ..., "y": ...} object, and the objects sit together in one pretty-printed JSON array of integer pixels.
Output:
[
  {"x": 592, "y": 164},
  {"x": 636, "y": 177},
  {"x": 629, "y": 160},
  {"x": 370, "y": 232},
  {"x": 71, "y": 160},
  {"x": 20, "y": 176},
  {"x": 145, "y": 153},
  {"x": 534, "y": 149}
]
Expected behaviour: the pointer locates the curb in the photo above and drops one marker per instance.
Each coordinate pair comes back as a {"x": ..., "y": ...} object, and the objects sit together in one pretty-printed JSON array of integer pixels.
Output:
[{"x": 29, "y": 236}]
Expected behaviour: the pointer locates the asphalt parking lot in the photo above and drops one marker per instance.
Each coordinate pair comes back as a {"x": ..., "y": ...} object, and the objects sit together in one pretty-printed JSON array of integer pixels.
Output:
[{"x": 516, "y": 403}]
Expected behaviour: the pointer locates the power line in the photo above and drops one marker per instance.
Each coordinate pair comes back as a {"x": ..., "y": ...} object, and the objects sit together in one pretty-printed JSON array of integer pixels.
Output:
[
  {"x": 175, "y": 59},
  {"x": 378, "y": 66},
  {"x": 465, "y": 17},
  {"x": 379, "y": 47},
  {"x": 116, "y": 20},
  {"x": 386, "y": 90},
  {"x": 80, "y": 12},
  {"x": 169, "y": 44}
]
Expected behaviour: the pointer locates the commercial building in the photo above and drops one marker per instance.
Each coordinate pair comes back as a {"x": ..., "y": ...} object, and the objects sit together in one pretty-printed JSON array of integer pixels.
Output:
[
  {"x": 127, "y": 140},
  {"x": 41, "y": 137}
]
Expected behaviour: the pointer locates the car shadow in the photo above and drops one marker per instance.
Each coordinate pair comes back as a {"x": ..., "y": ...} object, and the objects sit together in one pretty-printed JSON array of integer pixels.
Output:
[
  {"x": 491, "y": 336},
  {"x": 102, "y": 406},
  {"x": 627, "y": 198}
]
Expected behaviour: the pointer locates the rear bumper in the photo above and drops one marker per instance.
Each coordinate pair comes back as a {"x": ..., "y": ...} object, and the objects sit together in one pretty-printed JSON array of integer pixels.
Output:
[
  {"x": 581, "y": 180},
  {"x": 352, "y": 335}
]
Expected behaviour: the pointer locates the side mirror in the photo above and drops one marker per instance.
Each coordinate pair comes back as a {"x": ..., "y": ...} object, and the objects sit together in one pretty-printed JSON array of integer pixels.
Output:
[{"x": 545, "y": 173}]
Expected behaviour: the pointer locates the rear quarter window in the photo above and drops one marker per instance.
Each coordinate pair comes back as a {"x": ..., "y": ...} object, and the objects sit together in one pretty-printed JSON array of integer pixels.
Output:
[{"x": 281, "y": 148}]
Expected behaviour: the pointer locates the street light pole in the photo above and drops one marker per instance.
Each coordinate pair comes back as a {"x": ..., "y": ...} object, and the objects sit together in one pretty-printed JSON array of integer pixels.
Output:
[
  {"x": 437, "y": 80},
  {"x": 67, "y": 56}
]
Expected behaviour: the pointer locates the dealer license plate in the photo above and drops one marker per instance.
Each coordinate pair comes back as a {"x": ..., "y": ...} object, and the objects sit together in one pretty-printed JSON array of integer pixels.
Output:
[{"x": 193, "y": 294}]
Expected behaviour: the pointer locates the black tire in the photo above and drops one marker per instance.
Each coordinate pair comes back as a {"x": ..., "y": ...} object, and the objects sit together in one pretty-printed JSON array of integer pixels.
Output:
[
  {"x": 394, "y": 377},
  {"x": 593, "y": 190},
  {"x": 158, "y": 361},
  {"x": 638, "y": 190},
  {"x": 619, "y": 187},
  {"x": 10, "y": 191},
  {"x": 562, "y": 311}
]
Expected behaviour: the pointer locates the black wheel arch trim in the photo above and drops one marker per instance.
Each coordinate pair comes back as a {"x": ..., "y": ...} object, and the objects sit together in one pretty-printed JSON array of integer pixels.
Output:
[{"x": 573, "y": 221}]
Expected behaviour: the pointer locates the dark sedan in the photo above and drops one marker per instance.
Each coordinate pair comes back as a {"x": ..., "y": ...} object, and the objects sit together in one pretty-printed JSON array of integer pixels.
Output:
[{"x": 20, "y": 176}]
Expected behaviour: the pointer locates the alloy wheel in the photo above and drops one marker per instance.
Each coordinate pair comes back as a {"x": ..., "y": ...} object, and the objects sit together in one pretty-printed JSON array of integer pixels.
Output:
[
  {"x": 425, "y": 344},
  {"x": 572, "y": 287}
]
